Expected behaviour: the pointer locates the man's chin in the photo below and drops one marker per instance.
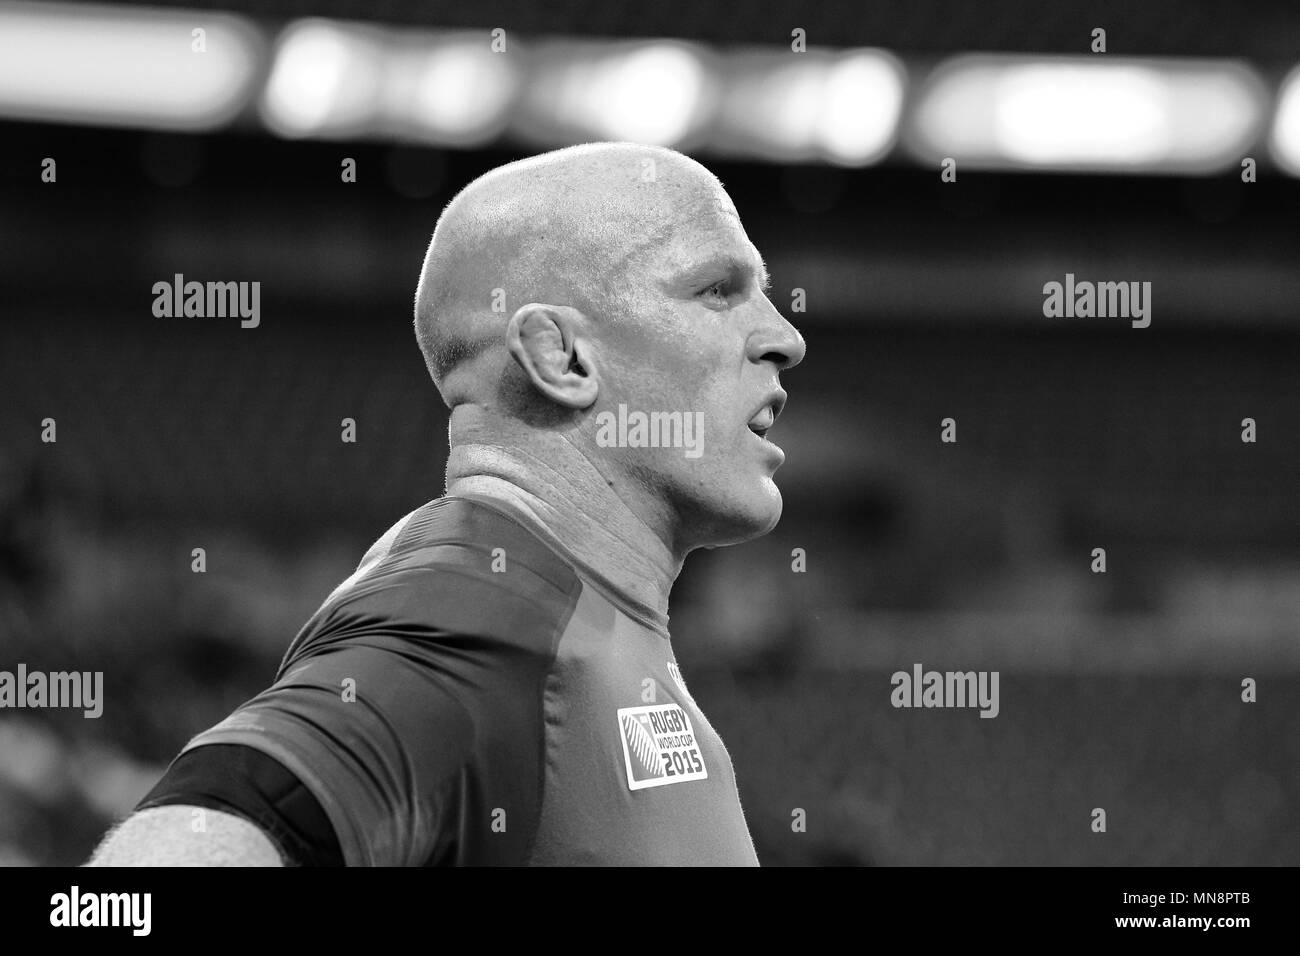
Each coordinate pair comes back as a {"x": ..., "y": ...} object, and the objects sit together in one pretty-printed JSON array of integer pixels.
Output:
[
  {"x": 775, "y": 505},
  {"x": 741, "y": 518}
]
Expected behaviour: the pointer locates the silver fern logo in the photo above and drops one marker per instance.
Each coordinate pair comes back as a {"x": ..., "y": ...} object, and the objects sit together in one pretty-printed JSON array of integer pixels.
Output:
[{"x": 659, "y": 746}]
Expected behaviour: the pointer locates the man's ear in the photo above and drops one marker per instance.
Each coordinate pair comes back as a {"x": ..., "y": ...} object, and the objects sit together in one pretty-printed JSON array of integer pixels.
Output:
[{"x": 547, "y": 342}]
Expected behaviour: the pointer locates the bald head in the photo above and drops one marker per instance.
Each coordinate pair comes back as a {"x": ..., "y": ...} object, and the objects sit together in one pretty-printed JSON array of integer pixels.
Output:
[{"x": 564, "y": 228}]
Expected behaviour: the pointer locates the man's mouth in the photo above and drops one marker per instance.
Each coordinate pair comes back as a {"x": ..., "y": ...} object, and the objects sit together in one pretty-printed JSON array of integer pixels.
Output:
[
  {"x": 765, "y": 417},
  {"x": 761, "y": 422}
]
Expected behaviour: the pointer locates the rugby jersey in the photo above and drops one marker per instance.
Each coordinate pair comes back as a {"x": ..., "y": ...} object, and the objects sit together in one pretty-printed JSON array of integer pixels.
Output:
[{"x": 472, "y": 695}]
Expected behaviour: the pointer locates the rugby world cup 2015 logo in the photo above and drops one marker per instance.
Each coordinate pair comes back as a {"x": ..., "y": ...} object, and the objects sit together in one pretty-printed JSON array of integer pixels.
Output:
[{"x": 659, "y": 746}]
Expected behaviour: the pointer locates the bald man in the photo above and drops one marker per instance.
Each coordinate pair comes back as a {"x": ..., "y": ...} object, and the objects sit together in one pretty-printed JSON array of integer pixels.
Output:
[{"x": 495, "y": 684}]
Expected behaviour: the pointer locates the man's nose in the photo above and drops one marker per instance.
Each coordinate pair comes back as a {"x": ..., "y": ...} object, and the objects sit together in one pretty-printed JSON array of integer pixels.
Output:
[{"x": 777, "y": 342}]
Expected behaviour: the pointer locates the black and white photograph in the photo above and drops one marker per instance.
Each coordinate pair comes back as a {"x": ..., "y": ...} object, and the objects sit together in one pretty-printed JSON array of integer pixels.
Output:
[{"x": 719, "y": 435}]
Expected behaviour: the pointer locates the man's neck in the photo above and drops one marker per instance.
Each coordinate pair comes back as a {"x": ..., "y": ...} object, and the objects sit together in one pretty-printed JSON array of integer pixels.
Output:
[{"x": 547, "y": 478}]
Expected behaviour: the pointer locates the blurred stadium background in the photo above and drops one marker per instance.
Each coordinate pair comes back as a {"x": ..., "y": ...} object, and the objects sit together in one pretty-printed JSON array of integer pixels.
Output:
[{"x": 923, "y": 302}]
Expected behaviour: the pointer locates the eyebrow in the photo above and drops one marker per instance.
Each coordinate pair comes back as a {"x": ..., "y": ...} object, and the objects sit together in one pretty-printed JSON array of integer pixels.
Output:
[{"x": 730, "y": 264}]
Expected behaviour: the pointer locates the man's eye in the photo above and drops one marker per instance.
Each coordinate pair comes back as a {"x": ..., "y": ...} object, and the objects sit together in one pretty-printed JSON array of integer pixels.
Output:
[{"x": 718, "y": 289}]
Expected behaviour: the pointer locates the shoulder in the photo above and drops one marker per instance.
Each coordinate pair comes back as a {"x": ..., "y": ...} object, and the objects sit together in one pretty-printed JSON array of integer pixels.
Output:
[{"x": 452, "y": 567}]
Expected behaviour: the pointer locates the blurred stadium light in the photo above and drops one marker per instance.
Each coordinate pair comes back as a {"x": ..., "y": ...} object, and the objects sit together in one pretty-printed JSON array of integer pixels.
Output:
[
  {"x": 863, "y": 99},
  {"x": 107, "y": 66},
  {"x": 450, "y": 89},
  {"x": 842, "y": 107},
  {"x": 334, "y": 79},
  {"x": 325, "y": 81},
  {"x": 659, "y": 92},
  {"x": 1286, "y": 124},
  {"x": 1090, "y": 114}
]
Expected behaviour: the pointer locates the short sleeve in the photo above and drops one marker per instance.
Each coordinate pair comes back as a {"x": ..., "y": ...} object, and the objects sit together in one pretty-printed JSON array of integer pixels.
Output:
[
  {"x": 412, "y": 705},
  {"x": 404, "y": 754}
]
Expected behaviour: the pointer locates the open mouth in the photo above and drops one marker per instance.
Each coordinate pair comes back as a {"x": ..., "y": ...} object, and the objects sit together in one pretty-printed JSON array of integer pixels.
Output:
[{"x": 762, "y": 421}]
